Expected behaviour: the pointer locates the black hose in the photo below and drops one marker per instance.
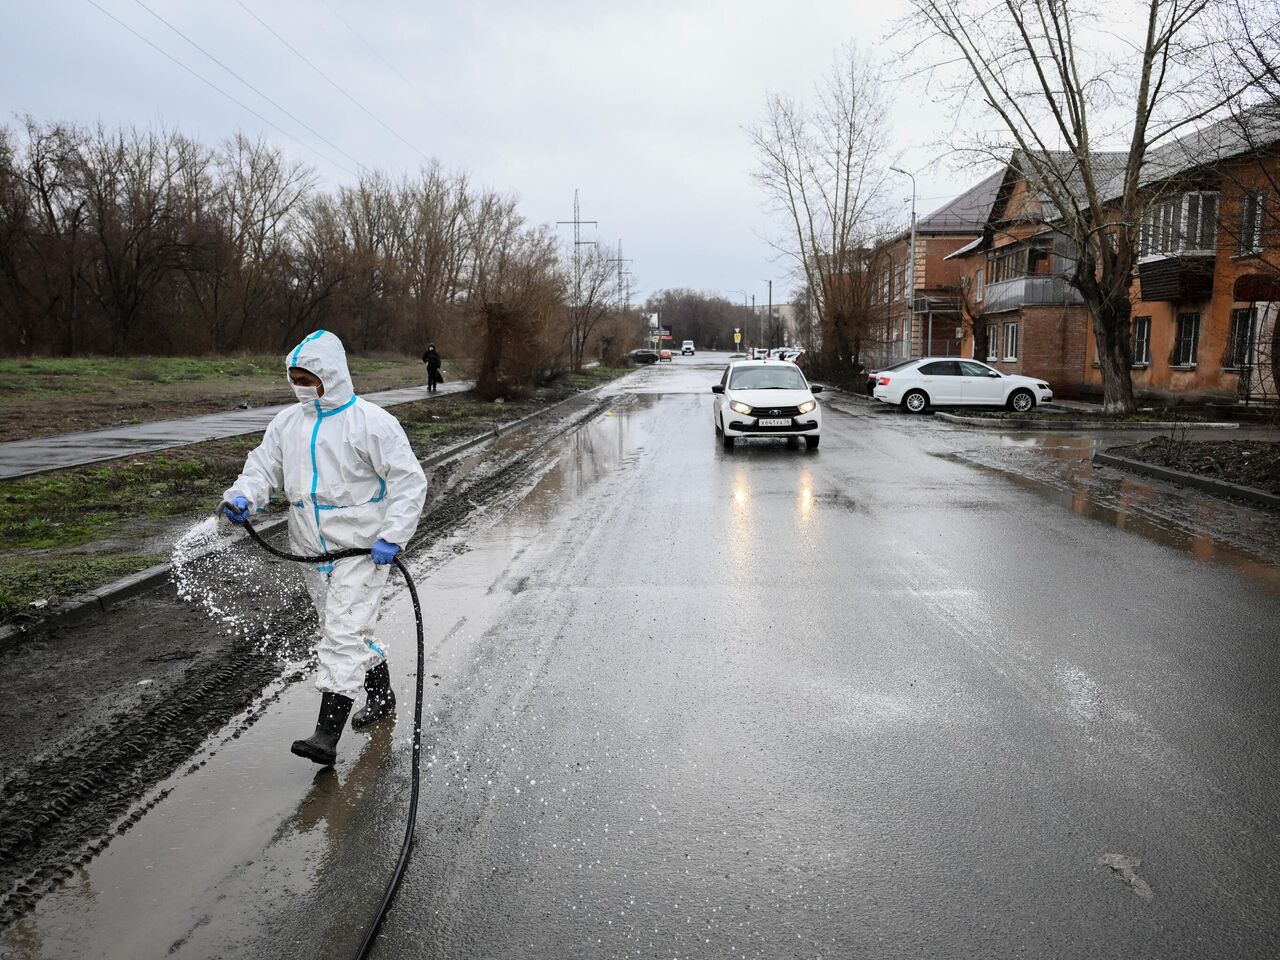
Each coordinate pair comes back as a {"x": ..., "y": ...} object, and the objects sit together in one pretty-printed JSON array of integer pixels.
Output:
[{"x": 407, "y": 844}]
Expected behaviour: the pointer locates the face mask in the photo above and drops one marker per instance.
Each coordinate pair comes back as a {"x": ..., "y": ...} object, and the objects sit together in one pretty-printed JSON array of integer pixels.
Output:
[{"x": 305, "y": 394}]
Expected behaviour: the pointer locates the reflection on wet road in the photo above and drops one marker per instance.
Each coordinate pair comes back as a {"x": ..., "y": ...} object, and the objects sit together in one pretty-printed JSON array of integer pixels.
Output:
[{"x": 876, "y": 700}]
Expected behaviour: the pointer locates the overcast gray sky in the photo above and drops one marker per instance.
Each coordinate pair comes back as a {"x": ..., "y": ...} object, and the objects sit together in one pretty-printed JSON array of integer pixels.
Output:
[{"x": 640, "y": 105}]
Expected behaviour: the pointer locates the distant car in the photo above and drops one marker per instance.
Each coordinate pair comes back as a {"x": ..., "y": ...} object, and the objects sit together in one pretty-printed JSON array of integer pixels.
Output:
[
  {"x": 758, "y": 353},
  {"x": 644, "y": 356},
  {"x": 874, "y": 375},
  {"x": 766, "y": 398},
  {"x": 785, "y": 353},
  {"x": 664, "y": 355},
  {"x": 949, "y": 382},
  {"x": 686, "y": 349}
]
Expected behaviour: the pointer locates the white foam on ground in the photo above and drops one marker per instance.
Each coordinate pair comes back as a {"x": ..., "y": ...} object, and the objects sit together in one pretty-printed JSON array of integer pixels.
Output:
[{"x": 239, "y": 586}]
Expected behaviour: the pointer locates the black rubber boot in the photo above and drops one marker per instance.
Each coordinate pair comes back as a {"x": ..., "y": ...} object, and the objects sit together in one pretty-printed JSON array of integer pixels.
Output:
[
  {"x": 322, "y": 746},
  {"x": 380, "y": 700}
]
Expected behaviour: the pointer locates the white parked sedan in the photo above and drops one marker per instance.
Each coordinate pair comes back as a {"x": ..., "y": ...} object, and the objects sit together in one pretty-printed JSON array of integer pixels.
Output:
[
  {"x": 766, "y": 398},
  {"x": 951, "y": 382}
]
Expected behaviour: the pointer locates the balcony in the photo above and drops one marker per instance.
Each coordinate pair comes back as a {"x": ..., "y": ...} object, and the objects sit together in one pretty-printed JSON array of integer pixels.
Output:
[
  {"x": 1180, "y": 277},
  {"x": 1028, "y": 291}
]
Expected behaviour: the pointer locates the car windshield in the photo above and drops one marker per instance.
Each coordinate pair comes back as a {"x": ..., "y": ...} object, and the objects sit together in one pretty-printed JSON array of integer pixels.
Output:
[{"x": 767, "y": 377}]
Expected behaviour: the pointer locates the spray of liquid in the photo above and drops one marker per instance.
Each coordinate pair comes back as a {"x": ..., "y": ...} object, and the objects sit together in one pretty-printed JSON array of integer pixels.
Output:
[{"x": 250, "y": 595}]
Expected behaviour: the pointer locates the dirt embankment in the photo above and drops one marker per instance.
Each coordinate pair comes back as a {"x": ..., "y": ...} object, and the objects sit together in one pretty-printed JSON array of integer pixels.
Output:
[{"x": 1249, "y": 463}]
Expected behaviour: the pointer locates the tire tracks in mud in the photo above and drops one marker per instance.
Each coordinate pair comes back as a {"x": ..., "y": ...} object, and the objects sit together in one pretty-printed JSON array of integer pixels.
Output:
[{"x": 61, "y": 809}]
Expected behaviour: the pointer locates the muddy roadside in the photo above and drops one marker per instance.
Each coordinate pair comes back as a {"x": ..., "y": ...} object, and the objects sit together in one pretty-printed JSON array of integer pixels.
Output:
[{"x": 97, "y": 713}]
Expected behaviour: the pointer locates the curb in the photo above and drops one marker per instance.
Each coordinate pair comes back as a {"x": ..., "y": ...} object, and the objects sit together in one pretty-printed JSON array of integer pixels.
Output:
[
  {"x": 1182, "y": 478},
  {"x": 992, "y": 423},
  {"x": 84, "y": 605}
]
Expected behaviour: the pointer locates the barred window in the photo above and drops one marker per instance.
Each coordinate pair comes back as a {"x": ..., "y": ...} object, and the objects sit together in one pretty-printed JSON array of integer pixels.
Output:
[
  {"x": 1186, "y": 341},
  {"x": 1239, "y": 340},
  {"x": 1141, "y": 340}
]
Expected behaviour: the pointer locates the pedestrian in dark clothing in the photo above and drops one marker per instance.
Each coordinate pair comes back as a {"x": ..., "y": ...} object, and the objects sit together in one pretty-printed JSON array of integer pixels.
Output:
[{"x": 432, "y": 359}]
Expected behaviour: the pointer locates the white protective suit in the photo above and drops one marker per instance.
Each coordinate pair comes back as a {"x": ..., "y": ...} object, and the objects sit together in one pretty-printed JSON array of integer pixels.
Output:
[{"x": 346, "y": 467}]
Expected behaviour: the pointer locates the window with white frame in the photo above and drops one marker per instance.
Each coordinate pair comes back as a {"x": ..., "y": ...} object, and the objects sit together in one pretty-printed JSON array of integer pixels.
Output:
[
  {"x": 1251, "y": 223},
  {"x": 1011, "y": 341},
  {"x": 1141, "y": 341},
  {"x": 977, "y": 285},
  {"x": 1186, "y": 341},
  {"x": 1239, "y": 340},
  {"x": 1187, "y": 223},
  {"x": 993, "y": 341}
]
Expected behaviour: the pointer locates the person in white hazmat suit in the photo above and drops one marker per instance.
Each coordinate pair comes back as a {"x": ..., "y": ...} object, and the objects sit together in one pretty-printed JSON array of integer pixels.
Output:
[{"x": 351, "y": 480}]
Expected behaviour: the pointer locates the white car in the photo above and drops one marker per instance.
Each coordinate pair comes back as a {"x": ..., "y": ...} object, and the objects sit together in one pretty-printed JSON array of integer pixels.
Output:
[
  {"x": 952, "y": 382},
  {"x": 686, "y": 349},
  {"x": 766, "y": 398}
]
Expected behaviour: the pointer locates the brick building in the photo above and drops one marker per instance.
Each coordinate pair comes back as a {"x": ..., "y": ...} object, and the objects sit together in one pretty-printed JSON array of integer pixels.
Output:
[{"x": 916, "y": 306}]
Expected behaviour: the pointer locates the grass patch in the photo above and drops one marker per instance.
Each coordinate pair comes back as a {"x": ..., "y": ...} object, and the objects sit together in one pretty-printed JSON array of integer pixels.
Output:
[
  {"x": 50, "y": 395},
  {"x": 68, "y": 531},
  {"x": 86, "y": 374},
  {"x": 31, "y": 579}
]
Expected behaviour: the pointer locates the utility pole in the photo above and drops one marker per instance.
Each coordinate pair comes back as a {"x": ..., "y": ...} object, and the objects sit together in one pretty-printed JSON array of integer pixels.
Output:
[
  {"x": 578, "y": 224},
  {"x": 770, "y": 315},
  {"x": 620, "y": 260}
]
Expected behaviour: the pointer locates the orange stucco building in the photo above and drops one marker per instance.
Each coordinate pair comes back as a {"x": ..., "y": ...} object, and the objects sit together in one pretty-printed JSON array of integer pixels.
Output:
[{"x": 1205, "y": 293}]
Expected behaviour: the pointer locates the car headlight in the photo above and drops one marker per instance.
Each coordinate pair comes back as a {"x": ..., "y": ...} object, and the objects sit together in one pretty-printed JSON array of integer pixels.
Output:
[
  {"x": 738, "y": 407},
  {"x": 808, "y": 405}
]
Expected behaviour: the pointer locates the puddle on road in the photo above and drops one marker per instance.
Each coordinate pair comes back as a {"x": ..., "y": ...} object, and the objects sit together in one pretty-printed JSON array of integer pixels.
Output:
[
  {"x": 1061, "y": 469},
  {"x": 245, "y": 832}
]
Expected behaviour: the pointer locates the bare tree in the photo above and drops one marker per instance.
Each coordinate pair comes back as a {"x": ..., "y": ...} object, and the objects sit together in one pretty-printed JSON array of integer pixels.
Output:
[
  {"x": 1062, "y": 80},
  {"x": 823, "y": 168},
  {"x": 592, "y": 285}
]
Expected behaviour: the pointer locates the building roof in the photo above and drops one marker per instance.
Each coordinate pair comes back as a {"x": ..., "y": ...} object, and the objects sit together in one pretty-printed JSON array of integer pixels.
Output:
[
  {"x": 966, "y": 213},
  {"x": 1233, "y": 136}
]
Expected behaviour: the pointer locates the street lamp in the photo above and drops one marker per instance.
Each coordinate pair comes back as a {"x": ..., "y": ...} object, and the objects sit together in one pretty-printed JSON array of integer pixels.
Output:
[{"x": 911, "y": 266}]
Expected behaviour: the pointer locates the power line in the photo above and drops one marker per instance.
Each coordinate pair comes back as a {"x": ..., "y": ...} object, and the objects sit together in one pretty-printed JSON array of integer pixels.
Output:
[
  {"x": 205, "y": 80},
  {"x": 333, "y": 83},
  {"x": 315, "y": 133},
  {"x": 403, "y": 79}
]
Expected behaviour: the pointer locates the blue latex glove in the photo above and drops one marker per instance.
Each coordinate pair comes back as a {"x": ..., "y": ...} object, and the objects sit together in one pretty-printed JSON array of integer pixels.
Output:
[
  {"x": 384, "y": 552},
  {"x": 236, "y": 509}
]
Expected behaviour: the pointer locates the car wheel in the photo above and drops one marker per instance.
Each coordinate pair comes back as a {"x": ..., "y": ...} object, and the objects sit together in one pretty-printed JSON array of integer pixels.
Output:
[
  {"x": 793, "y": 443},
  {"x": 1021, "y": 401},
  {"x": 916, "y": 401},
  {"x": 727, "y": 441},
  {"x": 718, "y": 430},
  {"x": 811, "y": 443}
]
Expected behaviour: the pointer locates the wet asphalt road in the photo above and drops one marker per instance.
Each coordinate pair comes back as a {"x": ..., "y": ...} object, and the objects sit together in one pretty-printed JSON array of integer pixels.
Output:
[{"x": 869, "y": 701}]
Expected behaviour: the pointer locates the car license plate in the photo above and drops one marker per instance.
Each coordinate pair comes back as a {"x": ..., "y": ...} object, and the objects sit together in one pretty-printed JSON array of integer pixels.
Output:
[{"x": 774, "y": 422}]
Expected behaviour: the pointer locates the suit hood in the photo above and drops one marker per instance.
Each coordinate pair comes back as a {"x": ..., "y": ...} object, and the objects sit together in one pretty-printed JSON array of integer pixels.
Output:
[{"x": 321, "y": 353}]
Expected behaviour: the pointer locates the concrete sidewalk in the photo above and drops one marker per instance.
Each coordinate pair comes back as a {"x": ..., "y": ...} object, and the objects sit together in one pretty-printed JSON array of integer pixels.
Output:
[{"x": 19, "y": 458}]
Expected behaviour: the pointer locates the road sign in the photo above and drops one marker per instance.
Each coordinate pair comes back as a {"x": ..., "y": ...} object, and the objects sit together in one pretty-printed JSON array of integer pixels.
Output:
[{"x": 737, "y": 336}]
